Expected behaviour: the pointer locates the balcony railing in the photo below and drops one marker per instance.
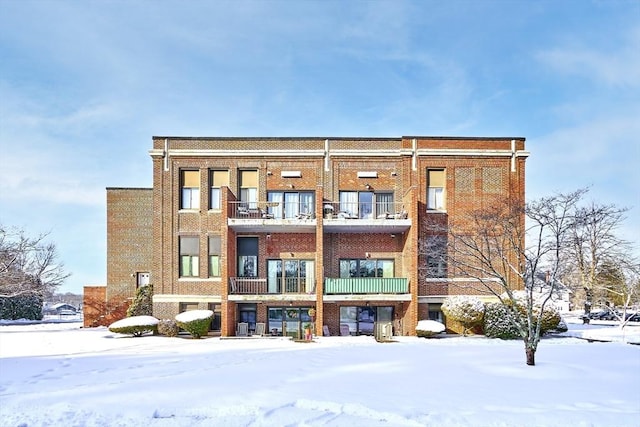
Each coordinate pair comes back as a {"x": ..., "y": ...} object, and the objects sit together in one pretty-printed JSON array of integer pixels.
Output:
[
  {"x": 278, "y": 286},
  {"x": 271, "y": 210},
  {"x": 366, "y": 285},
  {"x": 370, "y": 210}
]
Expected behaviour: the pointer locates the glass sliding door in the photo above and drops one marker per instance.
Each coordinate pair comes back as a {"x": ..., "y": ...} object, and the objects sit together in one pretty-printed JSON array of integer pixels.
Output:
[
  {"x": 365, "y": 201},
  {"x": 362, "y": 320},
  {"x": 274, "y": 276}
]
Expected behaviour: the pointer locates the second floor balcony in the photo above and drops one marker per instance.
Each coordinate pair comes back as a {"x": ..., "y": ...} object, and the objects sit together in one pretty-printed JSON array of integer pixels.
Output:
[
  {"x": 272, "y": 286},
  {"x": 272, "y": 217},
  {"x": 365, "y": 217}
]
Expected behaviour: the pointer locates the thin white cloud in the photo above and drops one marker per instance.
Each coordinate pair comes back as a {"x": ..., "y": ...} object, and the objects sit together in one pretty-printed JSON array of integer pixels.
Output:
[{"x": 618, "y": 66}]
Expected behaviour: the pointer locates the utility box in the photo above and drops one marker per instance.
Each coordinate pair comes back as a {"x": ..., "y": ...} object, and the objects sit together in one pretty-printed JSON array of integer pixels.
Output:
[{"x": 384, "y": 331}]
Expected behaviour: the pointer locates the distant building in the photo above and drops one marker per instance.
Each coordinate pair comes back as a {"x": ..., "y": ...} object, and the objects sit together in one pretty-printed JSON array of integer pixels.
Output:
[
  {"x": 59, "y": 309},
  {"x": 261, "y": 230}
]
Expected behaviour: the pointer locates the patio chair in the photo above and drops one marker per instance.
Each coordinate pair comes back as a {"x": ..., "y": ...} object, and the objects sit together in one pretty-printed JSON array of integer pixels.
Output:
[
  {"x": 243, "y": 329},
  {"x": 260, "y": 327},
  {"x": 344, "y": 329},
  {"x": 325, "y": 331}
]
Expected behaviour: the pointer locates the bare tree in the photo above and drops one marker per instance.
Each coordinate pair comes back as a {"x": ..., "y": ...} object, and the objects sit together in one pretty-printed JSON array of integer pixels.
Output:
[
  {"x": 513, "y": 252},
  {"x": 28, "y": 265},
  {"x": 595, "y": 247}
]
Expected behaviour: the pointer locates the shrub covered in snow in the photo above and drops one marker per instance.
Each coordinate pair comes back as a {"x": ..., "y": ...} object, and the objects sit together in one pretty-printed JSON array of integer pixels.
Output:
[
  {"x": 429, "y": 328},
  {"x": 196, "y": 322},
  {"x": 497, "y": 323},
  {"x": 142, "y": 304},
  {"x": 135, "y": 325},
  {"x": 467, "y": 310},
  {"x": 168, "y": 327},
  {"x": 21, "y": 307}
]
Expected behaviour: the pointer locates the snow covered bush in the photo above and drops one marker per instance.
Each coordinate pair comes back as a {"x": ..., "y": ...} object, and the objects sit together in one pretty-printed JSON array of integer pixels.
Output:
[
  {"x": 497, "y": 323},
  {"x": 21, "y": 307},
  {"x": 467, "y": 310},
  {"x": 498, "y": 320},
  {"x": 429, "y": 328},
  {"x": 142, "y": 304},
  {"x": 168, "y": 327},
  {"x": 135, "y": 325},
  {"x": 196, "y": 322}
]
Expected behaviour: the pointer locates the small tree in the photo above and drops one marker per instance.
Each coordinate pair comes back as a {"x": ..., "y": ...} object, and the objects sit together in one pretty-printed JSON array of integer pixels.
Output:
[
  {"x": 509, "y": 245},
  {"x": 142, "y": 304},
  {"x": 467, "y": 310}
]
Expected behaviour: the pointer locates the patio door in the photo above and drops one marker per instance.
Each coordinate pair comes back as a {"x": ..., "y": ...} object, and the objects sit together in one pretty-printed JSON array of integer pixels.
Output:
[{"x": 247, "y": 256}]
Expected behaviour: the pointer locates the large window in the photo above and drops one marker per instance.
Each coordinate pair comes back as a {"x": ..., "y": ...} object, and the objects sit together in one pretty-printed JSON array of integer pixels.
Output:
[
  {"x": 214, "y": 256},
  {"x": 218, "y": 179},
  {"x": 189, "y": 256},
  {"x": 291, "y": 204},
  {"x": 366, "y": 268},
  {"x": 189, "y": 189},
  {"x": 288, "y": 321},
  {"x": 247, "y": 256},
  {"x": 290, "y": 276},
  {"x": 436, "y": 195},
  {"x": 361, "y": 320},
  {"x": 366, "y": 204},
  {"x": 249, "y": 188},
  {"x": 436, "y": 256}
]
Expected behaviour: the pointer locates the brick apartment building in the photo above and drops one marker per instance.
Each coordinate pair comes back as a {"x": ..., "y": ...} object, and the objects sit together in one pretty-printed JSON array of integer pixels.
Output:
[{"x": 261, "y": 230}]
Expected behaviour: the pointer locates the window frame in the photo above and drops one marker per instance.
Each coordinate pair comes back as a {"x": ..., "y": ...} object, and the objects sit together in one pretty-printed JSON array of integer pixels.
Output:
[
  {"x": 436, "y": 200},
  {"x": 189, "y": 192},
  {"x": 215, "y": 188},
  {"x": 189, "y": 258}
]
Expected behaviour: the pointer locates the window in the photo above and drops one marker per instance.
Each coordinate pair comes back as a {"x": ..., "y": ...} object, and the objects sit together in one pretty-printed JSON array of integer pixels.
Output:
[
  {"x": 361, "y": 320},
  {"x": 436, "y": 197},
  {"x": 190, "y": 189},
  {"x": 365, "y": 204},
  {"x": 249, "y": 187},
  {"x": 366, "y": 268},
  {"x": 218, "y": 179},
  {"x": 247, "y": 256},
  {"x": 189, "y": 256},
  {"x": 214, "y": 256},
  {"x": 291, "y": 204},
  {"x": 290, "y": 276},
  {"x": 437, "y": 256}
]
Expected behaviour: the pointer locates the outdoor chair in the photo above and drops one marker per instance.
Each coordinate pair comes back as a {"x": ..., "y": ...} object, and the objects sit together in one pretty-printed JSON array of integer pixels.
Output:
[
  {"x": 243, "y": 329},
  {"x": 260, "y": 327}
]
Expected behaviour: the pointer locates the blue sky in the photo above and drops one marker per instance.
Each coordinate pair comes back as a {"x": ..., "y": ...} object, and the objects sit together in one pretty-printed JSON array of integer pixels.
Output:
[{"x": 85, "y": 85}]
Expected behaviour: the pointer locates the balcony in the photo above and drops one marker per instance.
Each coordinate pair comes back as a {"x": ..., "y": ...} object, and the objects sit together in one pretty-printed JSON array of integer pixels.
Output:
[
  {"x": 278, "y": 286},
  {"x": 366, "y": 285},
  {"x": 365, "y": 218},
  {"x": 271, "y": 217}
]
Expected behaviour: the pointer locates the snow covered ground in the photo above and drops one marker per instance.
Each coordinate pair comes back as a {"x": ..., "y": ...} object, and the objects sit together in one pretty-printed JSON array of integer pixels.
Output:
[{"x": 59, "y": 374}]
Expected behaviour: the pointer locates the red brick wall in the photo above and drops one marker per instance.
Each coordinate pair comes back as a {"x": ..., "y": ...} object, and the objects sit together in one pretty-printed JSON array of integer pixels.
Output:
[{"x": 129, "y": 239}]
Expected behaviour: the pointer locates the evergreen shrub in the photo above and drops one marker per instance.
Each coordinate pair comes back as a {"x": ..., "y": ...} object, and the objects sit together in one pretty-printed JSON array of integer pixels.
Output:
[
  {"x": 465, "y": 309},
  {"x": 27, "y": 307},
  {"x": 142, "y": 304},
  {"x": 196, "y": 322},
  {"x": 497, "y": 322},
  {"x": 135, "y": 325}
]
